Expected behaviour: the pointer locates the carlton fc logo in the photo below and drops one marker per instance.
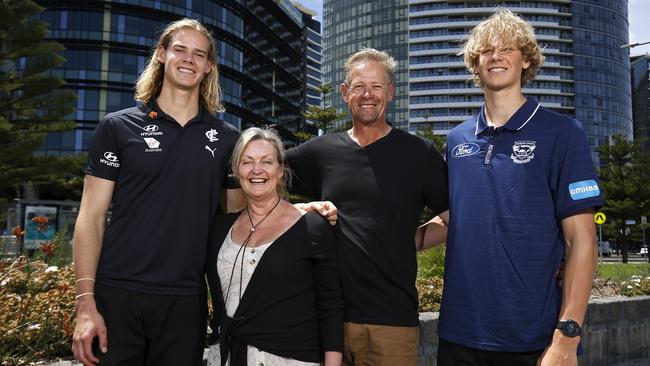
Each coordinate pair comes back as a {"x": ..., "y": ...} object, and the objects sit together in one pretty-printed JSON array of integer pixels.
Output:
[
  {"x": 212, "y": 135},
  {"x": 466, "y": 149},
  {"x": 522, "y": 151}
]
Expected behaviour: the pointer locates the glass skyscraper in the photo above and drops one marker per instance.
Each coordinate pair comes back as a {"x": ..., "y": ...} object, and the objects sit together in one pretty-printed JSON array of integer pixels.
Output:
[
  {"x": 640, "y": 66},
  {"x": 261, "y": 52},
  {"x": 586, "y": 74},
  {"x": 349, "y": 25}
]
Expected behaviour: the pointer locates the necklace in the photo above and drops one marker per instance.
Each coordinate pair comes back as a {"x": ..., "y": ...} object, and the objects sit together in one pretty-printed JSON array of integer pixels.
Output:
[{"x": 243, "y": 251}]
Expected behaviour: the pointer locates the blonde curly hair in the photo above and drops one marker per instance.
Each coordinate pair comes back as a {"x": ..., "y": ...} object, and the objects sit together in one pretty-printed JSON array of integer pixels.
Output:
[
  {"x": 150, "y": 82},
  {"x": 503, "y": 28}
]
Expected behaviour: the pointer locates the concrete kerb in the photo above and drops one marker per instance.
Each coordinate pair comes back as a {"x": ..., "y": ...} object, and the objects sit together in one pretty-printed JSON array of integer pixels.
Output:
[{"x": 616, "y": 330}]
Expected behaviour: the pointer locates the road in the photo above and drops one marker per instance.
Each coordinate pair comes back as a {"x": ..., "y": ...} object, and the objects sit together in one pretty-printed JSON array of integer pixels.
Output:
[{"x": 631, "y": 258}]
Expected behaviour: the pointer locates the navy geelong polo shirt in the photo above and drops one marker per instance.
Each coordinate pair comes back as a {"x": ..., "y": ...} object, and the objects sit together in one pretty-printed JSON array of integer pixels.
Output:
[
  {"x": 168, "y": 180},
  {"x": 510, "y": 188}
]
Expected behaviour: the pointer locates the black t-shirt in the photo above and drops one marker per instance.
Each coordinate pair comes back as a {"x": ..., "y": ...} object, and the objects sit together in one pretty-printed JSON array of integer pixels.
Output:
[
  {"x": 168, "y": 180},
  {"x": 380, "y": 191}
]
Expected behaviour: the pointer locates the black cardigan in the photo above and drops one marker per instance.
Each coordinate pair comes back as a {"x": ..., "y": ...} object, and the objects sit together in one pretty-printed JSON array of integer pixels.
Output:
[{"x": 292, "y": 306}]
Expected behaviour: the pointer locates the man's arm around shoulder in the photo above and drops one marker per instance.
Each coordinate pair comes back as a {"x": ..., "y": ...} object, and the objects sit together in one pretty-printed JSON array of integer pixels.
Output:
[
  {"x": 432, "y": 233},
  {"x": 87, "y": 245}
]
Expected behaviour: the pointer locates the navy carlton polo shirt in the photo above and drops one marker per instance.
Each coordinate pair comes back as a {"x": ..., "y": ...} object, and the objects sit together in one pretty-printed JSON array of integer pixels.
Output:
[
  {"x": 509, "y": 189},
  {"x": 168, "y": 180}
]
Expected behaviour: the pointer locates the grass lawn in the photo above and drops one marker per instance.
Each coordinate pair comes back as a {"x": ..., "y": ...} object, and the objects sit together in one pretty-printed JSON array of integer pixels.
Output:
[{"x": 618, "y": 272}]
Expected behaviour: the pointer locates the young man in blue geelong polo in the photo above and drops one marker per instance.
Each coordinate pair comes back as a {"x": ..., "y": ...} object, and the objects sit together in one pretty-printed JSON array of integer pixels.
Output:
[{"x": 522, "y": 191}]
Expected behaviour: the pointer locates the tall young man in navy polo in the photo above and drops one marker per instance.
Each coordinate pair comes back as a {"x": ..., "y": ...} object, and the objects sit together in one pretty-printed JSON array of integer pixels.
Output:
[
  {"x": 522, "y": 195},
  {"x": 140, "y": 286}
]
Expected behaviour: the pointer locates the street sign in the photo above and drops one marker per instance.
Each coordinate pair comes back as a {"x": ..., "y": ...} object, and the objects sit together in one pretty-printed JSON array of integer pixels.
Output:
[
  {"x": 630, "y": 222},
  {"x": 600, "y": 218}
]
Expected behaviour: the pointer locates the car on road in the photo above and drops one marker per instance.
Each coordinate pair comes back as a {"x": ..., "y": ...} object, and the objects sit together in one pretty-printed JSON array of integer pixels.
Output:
[{"x": 604, "y": 249}]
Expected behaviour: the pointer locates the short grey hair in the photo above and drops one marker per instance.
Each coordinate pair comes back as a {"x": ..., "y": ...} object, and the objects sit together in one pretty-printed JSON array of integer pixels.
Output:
[{"x": 372, "y": 54}]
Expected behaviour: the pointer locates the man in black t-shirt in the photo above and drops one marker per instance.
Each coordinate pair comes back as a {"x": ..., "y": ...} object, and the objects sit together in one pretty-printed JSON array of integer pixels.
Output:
[
  {"x": 379, "y": 178},
  {"x": 141, "y": 294}
]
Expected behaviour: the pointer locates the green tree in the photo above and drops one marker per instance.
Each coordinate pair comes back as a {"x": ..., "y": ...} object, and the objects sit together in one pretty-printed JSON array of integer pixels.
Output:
[
  {"x": 624, "y": 176},
  {"x": 32, "y": 102},
  {"x": 440, "y": 140},
  {"x": 323, "y": 116}
]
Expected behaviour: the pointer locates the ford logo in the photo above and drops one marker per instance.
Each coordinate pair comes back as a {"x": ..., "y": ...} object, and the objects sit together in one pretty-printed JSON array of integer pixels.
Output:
[{"x": 466, "y": 149}]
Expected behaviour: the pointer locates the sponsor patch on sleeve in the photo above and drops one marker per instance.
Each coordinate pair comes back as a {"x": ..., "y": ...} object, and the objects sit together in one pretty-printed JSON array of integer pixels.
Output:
[{"x": 584, "y": 189}]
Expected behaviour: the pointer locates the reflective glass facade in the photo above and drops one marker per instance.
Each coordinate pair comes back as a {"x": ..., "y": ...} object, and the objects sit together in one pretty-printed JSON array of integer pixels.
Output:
[
  {"x": 602, "y": 68},
  {"x": 262, "y": 49},
  {"x": 640, "y": 66},
  {"x": 585, "y": 73},
  {"x": 349, "y": 25}
]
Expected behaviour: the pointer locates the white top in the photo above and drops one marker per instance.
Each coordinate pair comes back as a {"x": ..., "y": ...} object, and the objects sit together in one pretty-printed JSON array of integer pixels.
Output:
[{"x": 225, "y": 264}]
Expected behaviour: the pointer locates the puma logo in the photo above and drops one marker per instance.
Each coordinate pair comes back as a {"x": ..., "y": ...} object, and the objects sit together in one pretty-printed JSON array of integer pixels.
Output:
[{"x": 210, "y": 150}]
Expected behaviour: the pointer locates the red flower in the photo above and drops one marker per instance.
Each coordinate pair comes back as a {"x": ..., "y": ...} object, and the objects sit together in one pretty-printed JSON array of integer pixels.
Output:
[
  {"x": 18, "y": 232},
  {"x": 48, "y": 249},
  {"x": 67, "y": 325},
  {"x": 42, "y": 222},
  {"x": 153, "y": 114}
]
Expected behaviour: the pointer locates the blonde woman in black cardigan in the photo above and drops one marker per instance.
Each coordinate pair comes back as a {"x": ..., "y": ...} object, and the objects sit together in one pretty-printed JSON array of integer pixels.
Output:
[{"x": 272, "y": 271}]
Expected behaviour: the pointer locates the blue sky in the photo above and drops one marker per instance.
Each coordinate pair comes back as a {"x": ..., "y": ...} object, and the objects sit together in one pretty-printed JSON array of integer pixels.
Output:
[{"x": 639, "y": 18}]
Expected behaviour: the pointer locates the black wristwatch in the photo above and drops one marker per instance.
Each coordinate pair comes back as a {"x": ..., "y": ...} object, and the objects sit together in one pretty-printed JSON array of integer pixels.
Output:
[{"x": 569, "y": 327}]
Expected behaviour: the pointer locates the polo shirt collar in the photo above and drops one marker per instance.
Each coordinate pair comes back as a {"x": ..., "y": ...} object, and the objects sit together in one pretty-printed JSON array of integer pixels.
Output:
[
  {"x": 153, "y": 111},
  {"x": 518, "y": 120}
]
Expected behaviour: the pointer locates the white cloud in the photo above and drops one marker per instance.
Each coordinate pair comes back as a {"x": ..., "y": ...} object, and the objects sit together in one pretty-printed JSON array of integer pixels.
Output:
[{"x": 639, "y": 18}]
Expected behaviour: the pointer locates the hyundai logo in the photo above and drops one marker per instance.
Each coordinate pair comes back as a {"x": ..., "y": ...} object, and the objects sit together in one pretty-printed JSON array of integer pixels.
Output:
[
  {"x": 151, "y": 128},
  {"x": 110, "y": 156}
]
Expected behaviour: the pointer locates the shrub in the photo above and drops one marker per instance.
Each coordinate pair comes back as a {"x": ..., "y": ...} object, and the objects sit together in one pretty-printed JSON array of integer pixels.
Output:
[
  {"x": 636, "y": 286},
  {"x": 431, "y": 262},
  {"x": 429, "y": 293},
  {"x": 37, "y": 305}
]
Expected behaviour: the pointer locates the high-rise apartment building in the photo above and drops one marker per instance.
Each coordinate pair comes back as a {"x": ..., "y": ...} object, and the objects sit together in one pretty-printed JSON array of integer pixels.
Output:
[
  {"x": 585, "y": 75},
  {"x": 349, "y": 25},
  {"x": 261, "y": 52},
  {"x": 640, "y": 66}
]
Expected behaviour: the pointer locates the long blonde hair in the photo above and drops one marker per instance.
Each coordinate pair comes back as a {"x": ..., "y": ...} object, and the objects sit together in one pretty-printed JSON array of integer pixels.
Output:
[{"x": 150, "y": 82}]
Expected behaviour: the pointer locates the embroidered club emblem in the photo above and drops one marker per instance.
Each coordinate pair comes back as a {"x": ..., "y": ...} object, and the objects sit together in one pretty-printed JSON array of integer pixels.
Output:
[
  {"x": 212, "y": 135},
  {"x": 522, "y": 151}
]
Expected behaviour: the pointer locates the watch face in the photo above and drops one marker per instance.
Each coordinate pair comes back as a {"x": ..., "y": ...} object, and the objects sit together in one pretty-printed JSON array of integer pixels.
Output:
[{"x": 571, "y": 328}]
